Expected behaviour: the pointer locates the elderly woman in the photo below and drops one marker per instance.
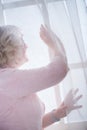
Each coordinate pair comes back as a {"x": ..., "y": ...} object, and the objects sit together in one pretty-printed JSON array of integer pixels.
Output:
[{"x": 20, "y": 107}]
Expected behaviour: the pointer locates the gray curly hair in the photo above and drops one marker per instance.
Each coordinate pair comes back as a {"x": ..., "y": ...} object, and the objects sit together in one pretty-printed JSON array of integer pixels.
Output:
[{"x": 10, "y": 45}]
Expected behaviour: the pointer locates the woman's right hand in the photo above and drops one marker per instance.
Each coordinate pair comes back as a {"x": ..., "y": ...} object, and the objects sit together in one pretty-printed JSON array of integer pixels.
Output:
[
  {"x": 47, "y": 36},
  {"x": 54, "y": 43}
]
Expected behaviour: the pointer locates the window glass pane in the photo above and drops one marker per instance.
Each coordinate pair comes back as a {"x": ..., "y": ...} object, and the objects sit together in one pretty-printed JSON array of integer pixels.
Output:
[{"x": 61, "y": 25}]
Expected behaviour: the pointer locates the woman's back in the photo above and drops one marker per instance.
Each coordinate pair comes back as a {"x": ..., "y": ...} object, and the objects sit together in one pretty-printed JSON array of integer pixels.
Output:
[{"x": 19, "y": 113}]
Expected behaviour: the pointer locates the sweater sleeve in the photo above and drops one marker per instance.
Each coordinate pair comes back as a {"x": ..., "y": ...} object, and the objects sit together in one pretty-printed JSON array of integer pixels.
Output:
[{"x": 24, "y": 82}]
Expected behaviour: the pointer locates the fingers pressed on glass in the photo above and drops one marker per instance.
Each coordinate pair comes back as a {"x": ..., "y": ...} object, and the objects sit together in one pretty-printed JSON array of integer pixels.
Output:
[
  {"x": 75, "y": 91},
  {"x": 77, "y": 107},
  {"x": 78, "y": 98}
]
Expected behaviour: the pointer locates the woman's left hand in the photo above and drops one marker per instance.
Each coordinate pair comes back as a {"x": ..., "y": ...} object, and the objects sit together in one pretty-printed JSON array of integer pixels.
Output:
[{"x": 68, "y": 104}]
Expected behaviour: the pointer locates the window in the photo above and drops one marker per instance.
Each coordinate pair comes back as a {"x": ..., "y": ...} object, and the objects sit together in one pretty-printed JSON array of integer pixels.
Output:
[{"x": 69, "y": 20}]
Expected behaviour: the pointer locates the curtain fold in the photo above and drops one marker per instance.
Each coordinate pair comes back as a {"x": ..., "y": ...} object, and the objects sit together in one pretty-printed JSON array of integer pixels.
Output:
[
  {"x": 74, "y": 19},
  {"x": 76, "y": 28}
]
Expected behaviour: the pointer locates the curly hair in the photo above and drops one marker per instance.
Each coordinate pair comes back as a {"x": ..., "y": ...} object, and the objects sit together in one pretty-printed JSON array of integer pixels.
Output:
[{"x": 10, "y": 45}]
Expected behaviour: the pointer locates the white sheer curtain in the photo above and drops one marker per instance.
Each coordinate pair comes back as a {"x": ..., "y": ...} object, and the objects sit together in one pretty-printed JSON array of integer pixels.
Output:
[{"x": 69, "y": 19}]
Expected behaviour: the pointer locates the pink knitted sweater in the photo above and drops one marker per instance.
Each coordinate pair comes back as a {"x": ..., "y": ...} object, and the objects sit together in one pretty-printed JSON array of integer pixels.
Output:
[{"x": 20, "y": 107}]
